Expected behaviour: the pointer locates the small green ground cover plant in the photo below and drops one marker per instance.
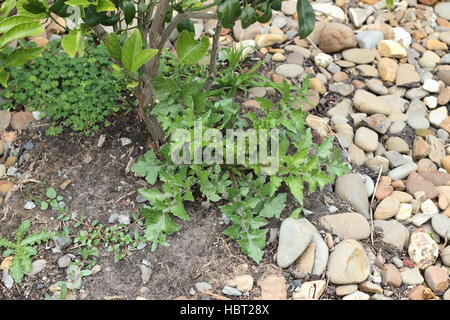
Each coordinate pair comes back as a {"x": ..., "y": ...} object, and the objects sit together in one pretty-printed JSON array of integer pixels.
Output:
[
  {"x": 75, "y": 92},
  {"x": 23, "y": 249}
]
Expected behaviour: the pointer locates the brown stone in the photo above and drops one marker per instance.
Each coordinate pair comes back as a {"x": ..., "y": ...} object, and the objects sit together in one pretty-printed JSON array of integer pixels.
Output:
[
  {"x": 417, "y": 293},
  {"x": 391, "y": 276},
  {"x": 388, "y": 69},
  {"x": 437, "y": 178},
  {"x": 428, "y": 2},
  {"x": 445, "y": 125},
  {"x": 40, "y": 41},
  {"x": 273, "y": 287},
  {"x": 435, "y": 44},
  {"x": 20, "y": 120},
  {"x": 416, "y": 183},
  {"x": 398, "y": 185},
  {"x": 5, "y": 186},
  {"x": 444, "y": 96},
  {"x": 421, "y": 148},
  {"x": 446, "y": 163},
  {"x": 436, "y": 278},
  {"x": 336, "y": 37}
]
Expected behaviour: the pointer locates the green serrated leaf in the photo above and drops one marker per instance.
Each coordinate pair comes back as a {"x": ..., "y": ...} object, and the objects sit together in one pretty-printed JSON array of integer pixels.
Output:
[
  {"x": 274, "y": 207},
  {"x": 252, "y": 244}
]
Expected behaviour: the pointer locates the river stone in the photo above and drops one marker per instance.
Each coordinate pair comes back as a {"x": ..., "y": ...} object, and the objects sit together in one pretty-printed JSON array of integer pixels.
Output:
[
  {"x": 321, "y": 254},
  {"x": 369, "y": 39},
  {"x": 336, "y": 37},
  {"x": 369, "y": 103},
  {"x": 423, "y": 250},
  {"x": 289, "y": 70},
  {"x": 295, "y": 236},
  {"x": 359, "y": 56},
  {"x": 411, "y": 276},
  {"x": 366, "y": 139},
  {"x": 387, "y": 208},
  {"x": 348, "y": 263},
  {"x": 350, "y": 187},
  {"x": 442, "y": 9},
  {"x": 349, "y": 225},
  {"x": 403, "y": 171},
  {"x": 441, "y": 225},
  {"x": 394, "y": 232}
]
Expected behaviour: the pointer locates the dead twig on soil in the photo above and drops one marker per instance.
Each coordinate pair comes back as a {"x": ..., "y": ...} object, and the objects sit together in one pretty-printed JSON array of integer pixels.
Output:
[{"x": 370, "y": 205}]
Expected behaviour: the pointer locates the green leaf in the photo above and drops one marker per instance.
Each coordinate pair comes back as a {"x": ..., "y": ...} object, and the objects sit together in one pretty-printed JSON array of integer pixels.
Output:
[
  {"x": 21, "y": 31},
  {"x": 73, "y": 43},
  {"x": 22, "y": 55},
  {"x": 6, "y": 8},
  {"x": 295, "y": 185},
  {"x": 6, "y": 243},
  {"x": 113, "y": 46},
  {"x": 186, "y": 24},
  {"x": 148, "y": 167},
  {"x": 129, "y": 11},
  {"x": 275, "y": 183},
  {"x": 16, "y": 270},
  {"x": 132, "y": 54},
  {"x": 4, "y": 76},
  {"x": 248, "y": 16},
  {"x": 157, "y": 223},
  {"x": 306, "y": 18},
  {"x": 190, "y": 51},
  {"x": 36, "y": 238},
  {"x": 81, "y": 3},
  {"x": 34, "y": 6},
  {"x": 233, "y": 232},
  {"x": 60, "y": 8},
  {"x": 105, "y": 5},
  {"x": 178, "y": 210},
  {"x": 228, "y": 11},
  {"x": 44, "y": 205},
  {"x": 252, "y": 244},
  {"x": 274, "y": 207},
  {"x": 22, "y": 230},
  {"x": 13, "y": 21},
  {"x": 51, "y": 193}
]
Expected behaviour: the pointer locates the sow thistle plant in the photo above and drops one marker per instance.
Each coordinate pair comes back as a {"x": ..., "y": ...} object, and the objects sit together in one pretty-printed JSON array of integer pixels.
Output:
[{"x": 23, "y": 249}]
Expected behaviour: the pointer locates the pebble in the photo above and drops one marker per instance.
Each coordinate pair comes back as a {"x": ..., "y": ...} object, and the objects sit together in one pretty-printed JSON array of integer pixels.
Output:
[
  {"x": 230, "y": 291},
  {"x": 350, "y": 187},
  {"x": 29, "y": 205},
  {"x": 348, "y": 225},
  {"x": 348, "y": 263},
  {"x": 423, "y": 250},
  {"x": 289, "y": 70}
]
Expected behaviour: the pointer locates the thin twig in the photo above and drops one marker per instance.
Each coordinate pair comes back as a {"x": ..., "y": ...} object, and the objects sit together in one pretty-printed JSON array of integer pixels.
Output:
[{"x": 371, "y": 201}]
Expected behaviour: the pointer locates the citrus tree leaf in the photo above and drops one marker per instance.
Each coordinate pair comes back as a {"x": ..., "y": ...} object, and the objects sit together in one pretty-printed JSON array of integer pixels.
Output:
[
  {"x": 13, "y": 21},
  {"x": 22, "y": 55},
  {"x": 228, "y": 11},
  {"x": 190, "y": 51},
  {"x": 4, "y": 76},
  {"x": 105, "y": 5},
  {"x": 129, "y": 11},
  {"x": 113, "y": 46},
  {"x": 21, "y": 31},
  {"x": 73, "y": 43},
  {"x": 306, "y": 18}
]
